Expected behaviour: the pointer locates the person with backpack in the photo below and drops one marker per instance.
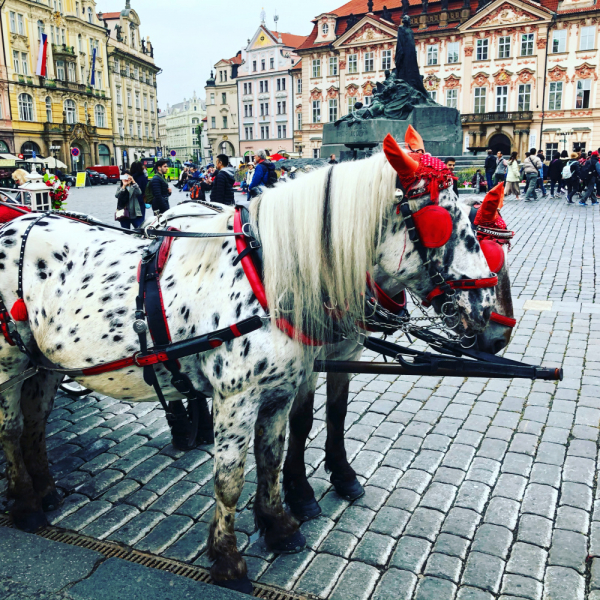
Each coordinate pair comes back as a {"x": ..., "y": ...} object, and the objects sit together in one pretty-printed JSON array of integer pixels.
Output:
[
  {"x": 490, "y": 168},
  {"x": 264, "y": 173},
  {"x": 590, "y": 174},
  {"x": 501, "y": 169},
  {"x": 159, "y": 188},
  {"x": 555, "y": 173},
  {"x": 222, "y": 187},
  {"x": 531, "y": 167},
  {"x": 570, "y": 175},
  {"x": 513, "y": 177}
]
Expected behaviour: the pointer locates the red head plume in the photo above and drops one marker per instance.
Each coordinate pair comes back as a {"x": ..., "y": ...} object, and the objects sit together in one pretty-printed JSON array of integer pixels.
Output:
[
  {"x": 488, "y": 211},
  {"x": 403, "y": 164},
  {"x": 413, "y": 140}
]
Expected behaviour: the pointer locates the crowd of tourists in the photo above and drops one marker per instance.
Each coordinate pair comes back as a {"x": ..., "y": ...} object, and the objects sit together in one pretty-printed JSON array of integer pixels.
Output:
[{"x": 570, "y": 175}]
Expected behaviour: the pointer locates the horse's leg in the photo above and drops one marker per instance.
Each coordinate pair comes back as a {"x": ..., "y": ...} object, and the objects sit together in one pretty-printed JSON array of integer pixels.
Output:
[
  {"x": 280, "y": 529},
  {"x": 343, "y": 475},
  {"x": 37, "y": 399},
  {"x": 299, "y": 494},
  {"x": 26, "y": 512},
  {"x": 234, "y": 417}
]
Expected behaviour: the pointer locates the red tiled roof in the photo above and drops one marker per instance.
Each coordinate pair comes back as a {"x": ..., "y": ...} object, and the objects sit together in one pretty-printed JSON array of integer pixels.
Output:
[
  {"x": 289, "y": 39},
  {"x": 297, "y": 66},
  {"x": 236, "y": 60},
  {"x": 112, "y": 15}
]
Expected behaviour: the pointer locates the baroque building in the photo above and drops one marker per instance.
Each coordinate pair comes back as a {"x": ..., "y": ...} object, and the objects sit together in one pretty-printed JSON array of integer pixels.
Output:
[
  {"x": 70, "y": 107},
  {"x": 522, "y": 73},
  {"x": 133, "y": 87}
]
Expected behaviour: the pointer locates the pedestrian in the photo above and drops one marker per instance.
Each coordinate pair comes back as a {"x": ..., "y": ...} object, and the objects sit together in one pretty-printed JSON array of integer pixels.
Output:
[
  {"x": 451, "y": 165},
  {"x": 570, "y": 176},
  {"x": 332, "y": 160},
  {"x": 140, "y": 177},
  {"x": 248, "y": 179},
  {"x": 501, "y": 168},
  {"x": 513, "y": 177},
  {"x": 159, "y": 188},
  {"x": 490, "y": 167},
  {"x": 555, "y": 173},
  {"x": 531, "y": 167},
  {"x": 590, "y": 174},
  {"x": 222, "y": 187},
  {"x": 264, "y": 173},
  {"x": 129, "y": 209},
  {"x": 478, "y": 182},
  {"x": 542, "y": 174}
]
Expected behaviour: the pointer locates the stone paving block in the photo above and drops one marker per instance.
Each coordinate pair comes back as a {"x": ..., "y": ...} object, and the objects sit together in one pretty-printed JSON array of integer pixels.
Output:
[
  {"x": 461, "y": 522},
  {"x": 285, "y": 569},
  {"x": 523, "y": 443},
  {"x": 410, "y": 554},
  {"x": 427, "y": 460},
  {"x": 69, "y": 506},
  {"x": 355, "y": 520},
  {"x": 374, "y": 549},
  {"x": 510, "y": 486},
  {"x": 572, "y": 519},
  {"x": 469, "y": 438},
  {"x": 96, "y": 486},
  {"x": 121, "y": 490},
  {"x": 174, "y": 497},
  {"x": 492, "y": 539},
  {"x": 125, "y": 432},
  {"x": 546, "y": 474},
  {"x": 321, "y": 575},
  {"x": 385, "y": 478},
  {"x": 535, "y": 530},
  {"x": 141, "y": 499},
  {"x": 398, "y": 459},
  {"x": 88, "y": 453},
  {"x": 356, "y": 583},
  {"x": 316, "y": 530},
  {"x": 437, "y": 442},
  {"x": 527, "y": 560},
  {"x": 469, "y": 593},
  {"x": 390, "y": 521},
  {"x": 164, "y": 534},
  {"x": 110, "y": 521},
  {"x": 137, "y": 528},
  {"x": 439, "y": 496},
  {"x": 395, "y": 584},
  {"x": 133, "y": 459},
  {"x": 452, "y": 477},
  {"x": 338, "y": 543},
  {"x": 459, "y": 456},
  {"x": 595, "y": 574},
  {"x": 576, "y": 495},
  {"x": 583, "y": 449},
  {"x": 473, "y": 495},
  {"x": 561, "y": 583},
  {"x": 100, "y": 463},
  {"x": 432, "y": 588},
  {"x": 163, "y": 480},
  {"x": 502, "y": 511},
  {"x": 483, "y": 571},
  {"x": 196, "y": 506},
  {"x": 492, "y": 448},
  {"x": 65, "y": 466},
  {"x": 415, "y": 480},
  {"x": 128, "y": 445},
  {"x": 568, "y": 549},
  {"x": 190, "y": 544},
  {"x": 85, "y": 515},
  {"x": 579, "y": 470},
  {"x": 332, "y": 505},
  {"x": 404, "y": 499},
  {"x": 374, "y": 497},
  {"x": 443, "y": 566},
  {"x": 424, "y": 523},
  {"x": 540, "y": 500},
  {"x": 451, "y": 545},
  {"x": 408, "y": 442},
  {"x": 521, "y": 587},
  {"x": 202, "y": 474},
  {"x": 518, "y": 464}
]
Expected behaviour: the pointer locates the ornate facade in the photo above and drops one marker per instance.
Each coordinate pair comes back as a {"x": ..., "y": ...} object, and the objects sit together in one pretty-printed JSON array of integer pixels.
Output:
[
  {"x": 133, "y": 87},
  {"x": 53, "y": 114},
  {"x": 522, "y": 73}
]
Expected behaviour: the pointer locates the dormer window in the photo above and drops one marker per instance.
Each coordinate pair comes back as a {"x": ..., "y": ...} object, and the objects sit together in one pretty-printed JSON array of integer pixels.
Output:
[{"x": 325, "y": 29}]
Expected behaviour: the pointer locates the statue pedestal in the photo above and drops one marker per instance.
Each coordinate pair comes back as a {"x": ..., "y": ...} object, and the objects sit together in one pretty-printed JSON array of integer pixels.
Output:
[{"x": 439, "y": 126}]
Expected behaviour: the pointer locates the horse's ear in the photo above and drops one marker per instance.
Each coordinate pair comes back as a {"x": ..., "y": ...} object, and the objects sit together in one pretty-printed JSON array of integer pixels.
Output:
[
  {"x": 493, "y": 200},
  {"x": 413, "y": 140},
  {"x": 403, "y": 164}
]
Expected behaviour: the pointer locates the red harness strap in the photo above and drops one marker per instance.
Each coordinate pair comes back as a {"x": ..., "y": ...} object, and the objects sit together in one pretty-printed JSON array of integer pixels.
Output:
[
  {"x": 4, "y": 321},
  {"x": 462, "y": 284},
  {"x": 502, "y": 320}
]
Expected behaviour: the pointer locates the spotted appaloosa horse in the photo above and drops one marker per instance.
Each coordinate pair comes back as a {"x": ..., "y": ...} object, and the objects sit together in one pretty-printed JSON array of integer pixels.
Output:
[
  {"x": 320, "y": 235},
  {"x": 299, "y": 495}
]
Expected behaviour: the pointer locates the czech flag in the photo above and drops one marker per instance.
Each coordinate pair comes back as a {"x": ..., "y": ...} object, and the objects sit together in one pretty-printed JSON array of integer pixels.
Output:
[{"x": 42, "y": 57}]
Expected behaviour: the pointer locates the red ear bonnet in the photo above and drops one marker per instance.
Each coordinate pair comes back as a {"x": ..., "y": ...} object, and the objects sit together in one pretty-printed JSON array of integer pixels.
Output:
[
  {"x": 403, "y": 164},
  {"x": 488, "y": 211},
  {"x": 413, "y": 140}
]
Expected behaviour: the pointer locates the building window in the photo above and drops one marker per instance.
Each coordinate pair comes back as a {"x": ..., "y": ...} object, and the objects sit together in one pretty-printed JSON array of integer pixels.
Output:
[
  {"x": 524, "y": 99},
  {"x": 264, "y": 109},
  {"x": 139, "y": 131},
  {"x": 501, "y": 98},
  {"x": 100, "y": 115},
  {"x": 272, "y": 63},
  {"x": 432, "y": 55},
  {"x": 249, "y": 133},
  {"x": 72, "y": 74},
  {"x": 353, "y": 63},
  {"x": 127, "y": 69},
  {"x": 90, "y": 15},
  {"x": 583, "y": 93},
  {"x": 264, "y": 132},
  {"x": 121, "y": 128},
  {"x": 247, "y": 110},
  {"x": 453, "y": 48},
  {"x": 299, "y": 121},
  {"x": 16, "y": 61},
  {"x": 351, "y": 103},
  {"x": 224, "y": 122},
  {"x": 254, "y": 66},
  {"x": 299, "y": 86},
  {"x": 504, "y": 46},
  {"x": 316, "y": 111},
  {"x": 588, "y": 38},
  {"x": 224, "y": 98},
  {"x": 452, "y": 98},
  {"x": 551, "y": 148},
  {"x": 369, "y": 62},
  {"x": 136, "y": 73},
  {"x": 579, "y": 146},
  {"x": 282, "y": 108},
  {"x": 137, "y": 101},
  {"x": 325, "y": 29},
  {"x": 130, "y": 129},
  {"x": 479, "y": 97},
  {"x": 145, "y": 102},
  {"x": 527, "y": 44},
  {"x": 316, "y": 67},
  {"x": 25, "y": 107},
  {"x": 70, "y": 109},
  {"x": 213, "y": 122},
  {"x": 212, "y": 99},
  {"x": 316, "y": 152},
  {"x": 281, "y": 85},
  {"x": 21, "y": 24},
  {"x": 24, "y": 63},
  {"x": 559, "y": 41},
  {"x": 333, "y": 110},
  {"x": 48, "y": 109},
  {"x": 13, "y": 22},
  {"x": 333, "y": 65},
  {"x": 40, "y": 29},
  {"x": 60, "y": 70},
  {"x": 80, "y": 43},
  {"x": 281, "y": 131},
  {"x": 245, "y": 89},
  {"x": 555, "y": 95},
  {"x": 482, "y": 49}
]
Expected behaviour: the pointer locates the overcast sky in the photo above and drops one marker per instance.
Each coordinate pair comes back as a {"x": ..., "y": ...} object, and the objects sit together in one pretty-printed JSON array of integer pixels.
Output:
[{"x": 190, "y": 36}]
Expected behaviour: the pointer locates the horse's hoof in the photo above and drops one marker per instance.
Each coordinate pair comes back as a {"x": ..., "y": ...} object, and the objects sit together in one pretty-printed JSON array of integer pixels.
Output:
[
  {"x": 348, "y": 490},
  {"x": 290, "y": 545},
  {"x": 242, "y": 585},
  {"x": 304, "y": 510},
  {"x": 51, "y": 501},
  {"x": 30, "y": 522}
]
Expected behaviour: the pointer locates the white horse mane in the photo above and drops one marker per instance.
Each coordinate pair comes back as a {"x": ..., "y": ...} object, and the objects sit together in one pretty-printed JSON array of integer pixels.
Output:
[{"x": 313, "y": 253}]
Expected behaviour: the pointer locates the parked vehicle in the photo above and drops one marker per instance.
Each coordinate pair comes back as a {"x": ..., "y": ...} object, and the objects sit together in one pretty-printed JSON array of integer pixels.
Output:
[
  {"x": 175, "y": 168},
  {"x": 112, "y": 172},
  {"x": 97, "y": 178}
]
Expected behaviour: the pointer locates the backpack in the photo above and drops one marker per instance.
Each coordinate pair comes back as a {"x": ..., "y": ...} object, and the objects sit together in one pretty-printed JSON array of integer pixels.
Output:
[
  {"x": 149, "y": 195},
  {"x": 587, "y": 171},
  {"x": 195, "y": 193},
  {"x": 566, "y": 172},
  {"x": 271, "y": 176}
]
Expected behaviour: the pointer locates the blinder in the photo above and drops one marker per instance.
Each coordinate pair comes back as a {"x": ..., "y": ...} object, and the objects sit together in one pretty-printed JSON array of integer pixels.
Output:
[
  {"x": 434, "y": 226},
  {"x": 494, "y": 254}
]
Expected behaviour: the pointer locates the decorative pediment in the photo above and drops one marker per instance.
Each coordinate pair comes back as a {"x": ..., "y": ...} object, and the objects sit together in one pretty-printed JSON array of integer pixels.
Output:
[
  {"x": 316, "y": 94},
  {"x": 431, "y": 83},
  {"x": 333, "y": 92},
  {"x": 451, "y": 82},
  {"x": 262, "y": 39},
  {"x": 351, "y": 89},
  {"x": 526, "y": 76},
  {"x": 366, "y": 31},
  {"x": 586, "y": 71},
  {"x": 502, "y": 77},
  {"x": 368, "y": 87},
  {"x": 501, "y": 12},
  {"x": 480, "y": 79},
  {"x": 557, "y": 73}
]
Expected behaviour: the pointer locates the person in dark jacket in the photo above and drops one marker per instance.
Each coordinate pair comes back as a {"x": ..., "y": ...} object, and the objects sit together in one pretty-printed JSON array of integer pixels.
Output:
[
  {"x": 555, "y": 173},
  {"x": 573, "y": 181},
  {"x": 451, "y": 165},
  {"x": 137, "y": 172},
  {"x": 222, "y": 187},
  {"x": 490, "y": 168},
  {"x": 160, "y": 188}
]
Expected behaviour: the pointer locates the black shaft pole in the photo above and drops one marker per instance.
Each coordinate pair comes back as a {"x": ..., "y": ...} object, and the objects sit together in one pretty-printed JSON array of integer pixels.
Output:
[{"x": 487, "y": 370}]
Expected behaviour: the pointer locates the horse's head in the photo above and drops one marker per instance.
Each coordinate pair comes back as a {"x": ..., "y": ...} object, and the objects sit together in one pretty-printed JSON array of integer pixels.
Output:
[{"x": 430, "y": 245}]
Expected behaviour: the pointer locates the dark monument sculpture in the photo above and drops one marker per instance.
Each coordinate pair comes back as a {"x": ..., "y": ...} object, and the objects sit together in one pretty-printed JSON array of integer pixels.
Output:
[
  {"x": 405, "y": 6},
  {"x": 387, "y": 14}
]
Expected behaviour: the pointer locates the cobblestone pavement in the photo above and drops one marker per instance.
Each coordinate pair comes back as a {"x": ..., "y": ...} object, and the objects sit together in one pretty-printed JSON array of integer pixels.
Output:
[{"x": 475, "y": 489}]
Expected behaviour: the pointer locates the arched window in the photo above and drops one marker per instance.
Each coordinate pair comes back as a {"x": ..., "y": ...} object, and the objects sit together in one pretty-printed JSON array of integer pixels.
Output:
[
  {"x": 70, "y": 109},
  {"x": 100, "y": 116},
  {"x": 40, "y": 27},
  {"x": 90, "y": 15},
  {"x": 4, "y": 147},
  {"x": 48, "y": 109},
  {"x": 195, "y": 121},
  {"x": 28, "y": 148},
  {"x": 104, "y": 154},
  {"x": 25, "y": 107}
]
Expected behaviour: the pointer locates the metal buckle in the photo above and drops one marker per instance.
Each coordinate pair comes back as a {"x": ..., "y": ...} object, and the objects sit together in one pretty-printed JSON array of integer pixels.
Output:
[
  {"x": 135, "y": 359},
  {"x": 248, "y": 233},
  {"x": 148, "y": 235}
]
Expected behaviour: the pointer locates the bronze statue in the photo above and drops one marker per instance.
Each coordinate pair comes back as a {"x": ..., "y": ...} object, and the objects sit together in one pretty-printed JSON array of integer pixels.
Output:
[
  {"x": 405, "y": 6},
  {"x": 406, "y": 57},
  {"x": 444, "y": 5}
]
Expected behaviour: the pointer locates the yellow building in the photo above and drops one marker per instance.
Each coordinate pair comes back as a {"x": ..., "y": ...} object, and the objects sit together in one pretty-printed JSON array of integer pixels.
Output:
[{"x": 52, "y": 115}]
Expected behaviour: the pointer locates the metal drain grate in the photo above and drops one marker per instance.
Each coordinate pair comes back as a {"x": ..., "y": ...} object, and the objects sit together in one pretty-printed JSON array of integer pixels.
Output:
[{"x": 113, "y": 550}]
